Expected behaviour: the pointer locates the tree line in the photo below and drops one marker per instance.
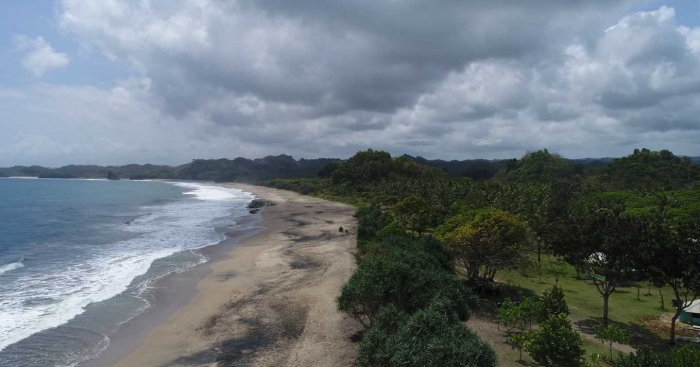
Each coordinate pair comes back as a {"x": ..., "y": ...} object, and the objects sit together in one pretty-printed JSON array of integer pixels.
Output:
[{"x": 616, "y": 226}]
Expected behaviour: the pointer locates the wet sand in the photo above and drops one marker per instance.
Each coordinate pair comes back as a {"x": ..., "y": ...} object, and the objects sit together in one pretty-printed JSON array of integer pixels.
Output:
[{"x": 269, "y": 301}]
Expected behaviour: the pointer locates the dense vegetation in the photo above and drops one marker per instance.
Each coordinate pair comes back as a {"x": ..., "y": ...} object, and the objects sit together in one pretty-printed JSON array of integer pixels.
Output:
[
  {"x": 633, "y": 220},
  {"x": 406, "y": 294},
  {"x": 239, "y": 169},
  {"x": 432, "y": 235},
  {"x": 284, "y": 166}
]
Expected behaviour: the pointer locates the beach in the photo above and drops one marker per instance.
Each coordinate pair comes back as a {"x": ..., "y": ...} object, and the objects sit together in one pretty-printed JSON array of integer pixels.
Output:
[{"x": 267, "y": 299}]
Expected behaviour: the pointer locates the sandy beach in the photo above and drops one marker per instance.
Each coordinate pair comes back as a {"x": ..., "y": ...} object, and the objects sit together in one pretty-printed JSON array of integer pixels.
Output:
[{"x": 270, "y": 301}]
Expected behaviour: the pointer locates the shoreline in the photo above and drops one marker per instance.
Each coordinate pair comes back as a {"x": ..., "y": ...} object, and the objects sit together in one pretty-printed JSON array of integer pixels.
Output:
[
  {"x": 170, "y": 293},
  {"x": 267, "y": 298}
]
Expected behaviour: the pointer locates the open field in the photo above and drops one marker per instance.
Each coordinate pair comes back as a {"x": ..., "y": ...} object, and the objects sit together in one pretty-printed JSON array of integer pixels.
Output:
[{"x": 586, "y": 304}]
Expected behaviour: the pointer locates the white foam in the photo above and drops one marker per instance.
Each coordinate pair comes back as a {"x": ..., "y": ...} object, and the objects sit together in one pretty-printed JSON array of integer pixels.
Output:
[
  {"x": 161, "y": 231},
  {"x": 13, "y": 266},
  {"x": 207, "y": 192}
]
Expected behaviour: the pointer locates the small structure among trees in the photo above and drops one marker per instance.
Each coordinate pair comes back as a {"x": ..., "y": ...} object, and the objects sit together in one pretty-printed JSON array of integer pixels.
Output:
[{"x": 691, "y": 314}]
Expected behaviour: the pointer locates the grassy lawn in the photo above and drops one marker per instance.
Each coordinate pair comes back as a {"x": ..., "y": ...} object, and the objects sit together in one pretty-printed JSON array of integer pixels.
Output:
[{"x": 586, "y": 304}]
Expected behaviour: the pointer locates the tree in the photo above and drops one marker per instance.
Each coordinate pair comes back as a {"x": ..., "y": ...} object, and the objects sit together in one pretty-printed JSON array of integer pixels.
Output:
[
  {"x": 372, "y": 166},
  {"x": 112, "y": 176},
  {"x": 326, "y": 171},
  {"x": 557, "y": 343},
  {"x": 607, "y": 241},
  {"x": 432, "y": 337},
  {"x": 405, "y": 278},
  {"x": 411, "y": 213},
  {"x": 519, "y": 341},
  {"x": 553, "y": 303},
  {"x": 611, "y": 334},
  {"x": 485, "y": 241},
  {"x": 542, "y": 167},
  {"x": 672, "y": 257},
  {"x": 510, "y": 315},
  {"x": 530, "y": 308},
  {"x": 647, "y": 170}
]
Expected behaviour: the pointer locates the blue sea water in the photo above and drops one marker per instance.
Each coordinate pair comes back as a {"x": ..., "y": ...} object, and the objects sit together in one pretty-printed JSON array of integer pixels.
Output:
[{"x": 77, "y": 255}]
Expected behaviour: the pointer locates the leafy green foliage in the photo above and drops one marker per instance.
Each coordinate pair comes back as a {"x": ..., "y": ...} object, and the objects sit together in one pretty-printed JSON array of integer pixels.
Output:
[
  {"x": 556, "y": 344},
  {"x": 408, "y": 278},
  {"x": 519, "y": 341},
  {"x": 485, "y": 241},
  {"x": 372, "y": 166},
  {"x": 647, "y": 170},
  {"x": 510, "y": 315},
  {"x": 542, "y": 167},
  {"x": 530, "y": 309},
  {"x": 611, "y": 334},
  {"x": 432, "y": 337},
  {"x": 682, "y": 356},
  {"x": 553, "y": 303},
  {"x": 326, "y": 171},
  {"x": 602, "y": 240},
  {"x": 671, "y": 256}
]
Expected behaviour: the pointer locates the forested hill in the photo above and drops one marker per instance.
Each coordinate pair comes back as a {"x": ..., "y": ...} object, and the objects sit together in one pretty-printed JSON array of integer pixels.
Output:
[
  {"x": 482, "y": 169},
  {"x": 641, "y": 169},
  {"x": 238, "y": 169}
]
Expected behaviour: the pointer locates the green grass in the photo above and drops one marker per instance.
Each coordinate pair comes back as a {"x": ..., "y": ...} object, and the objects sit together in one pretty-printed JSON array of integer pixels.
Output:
[
  {"x": 586, "y": 304},
  {"x": 585, "y": 301}
]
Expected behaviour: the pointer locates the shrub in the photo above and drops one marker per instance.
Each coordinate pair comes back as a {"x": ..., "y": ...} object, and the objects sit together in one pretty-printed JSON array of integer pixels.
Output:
[
  {"x": 519, "y": 341},
  {"x": 553, "y": 303},
  {"x": 370, "y": 221},
  {"x": 530, "y": 308},
  {"x": 509, "y": 315},
  {"x": 409, "y": 280},
  {"x": 423, "y": 246},
  {"x": 556, "y": 344},
  {"x": 429, "y": 338},
  {"x": 611, "y": 334},
  {"x": 681, "y": 356}
]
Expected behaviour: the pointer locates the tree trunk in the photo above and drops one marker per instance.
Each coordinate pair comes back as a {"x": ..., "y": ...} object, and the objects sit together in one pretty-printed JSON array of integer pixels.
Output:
[
  {"x": 606, "y": 297},
  {"x": 637, "y": 293},
  {"x": 663, "y": 305},
  {"x": 539, "y": 253},
  {"x": 672, "y": 341}
]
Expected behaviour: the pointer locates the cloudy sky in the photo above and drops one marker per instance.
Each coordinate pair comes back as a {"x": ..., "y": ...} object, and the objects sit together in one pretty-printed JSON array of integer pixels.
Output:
[{"x": 122, "y": 81}]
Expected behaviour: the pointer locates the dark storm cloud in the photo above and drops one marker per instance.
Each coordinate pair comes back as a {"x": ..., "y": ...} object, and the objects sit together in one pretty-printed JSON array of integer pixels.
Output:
[
  {"x": 337, "y": 56},
  {"x": 325, "y": 78}
]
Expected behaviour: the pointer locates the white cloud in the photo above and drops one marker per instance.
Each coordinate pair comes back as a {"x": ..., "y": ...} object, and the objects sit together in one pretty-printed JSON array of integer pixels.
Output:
[
  {"x": 40, "y": 57},
  {"x": 326, "y": 78}
]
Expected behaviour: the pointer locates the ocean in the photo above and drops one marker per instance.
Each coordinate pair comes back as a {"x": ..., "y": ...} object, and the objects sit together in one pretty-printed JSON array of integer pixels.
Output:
[{"x": 77, "y": 256}]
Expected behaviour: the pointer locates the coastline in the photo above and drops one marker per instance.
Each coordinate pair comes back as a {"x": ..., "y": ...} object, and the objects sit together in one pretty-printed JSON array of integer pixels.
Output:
[{"x": 265, "y": 298}]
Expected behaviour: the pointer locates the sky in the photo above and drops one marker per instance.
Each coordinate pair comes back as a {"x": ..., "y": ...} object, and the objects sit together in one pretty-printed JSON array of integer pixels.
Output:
[{"x": 156, "y": 81}]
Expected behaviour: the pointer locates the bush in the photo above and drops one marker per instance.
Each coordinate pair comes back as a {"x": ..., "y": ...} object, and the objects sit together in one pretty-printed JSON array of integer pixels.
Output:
[
  {"x": 682, "y": 356},
  {"x": 510, "y": 315},
  {"x": 424, "y": 246},
  {"x": 553, "y": 303},
  {"x": 409, "y": 280},
  {"x": 431, "y": 337},
  {"x": 611, "y": 334},
  {"x": 370, "y": 221},
  {"x": 556, "y": 344}
]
